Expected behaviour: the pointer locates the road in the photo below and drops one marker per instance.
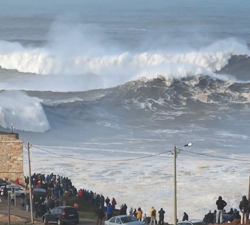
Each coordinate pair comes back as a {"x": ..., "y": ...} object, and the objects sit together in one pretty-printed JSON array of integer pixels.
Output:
[{"x": 20, "y": 212}]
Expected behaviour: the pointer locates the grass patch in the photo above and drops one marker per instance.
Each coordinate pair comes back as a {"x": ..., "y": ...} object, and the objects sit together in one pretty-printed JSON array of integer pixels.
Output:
[{"x": 86, "y": 209}]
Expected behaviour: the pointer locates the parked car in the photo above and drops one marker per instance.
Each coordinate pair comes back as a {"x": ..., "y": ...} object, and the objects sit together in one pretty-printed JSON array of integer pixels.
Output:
[
  {"x": 1, "y": 189},
  {"x": 39, "y": 193},
  {"x": 3, "y": 183},
  {"x": 61, "y": 215},
  {"x": 17, "y": 190},
  {"x": 124, "y": 219},
  {"x": 192, "y": 222}
]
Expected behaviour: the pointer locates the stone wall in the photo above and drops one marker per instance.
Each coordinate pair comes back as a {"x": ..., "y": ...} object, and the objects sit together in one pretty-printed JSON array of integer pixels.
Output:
[{"x": 11, "y": 157}]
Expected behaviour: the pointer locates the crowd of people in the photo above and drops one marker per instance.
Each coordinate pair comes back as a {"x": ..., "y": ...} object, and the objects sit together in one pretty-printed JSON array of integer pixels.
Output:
[
  {"x": 221, "y": 216},
  {"x": 57, "y": 186}
]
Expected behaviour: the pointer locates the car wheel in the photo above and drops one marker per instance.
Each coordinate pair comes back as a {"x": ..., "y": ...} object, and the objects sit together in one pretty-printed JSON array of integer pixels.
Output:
[
  {"x": 22, "y": 195},
  {"x": 45, "y": 221}
]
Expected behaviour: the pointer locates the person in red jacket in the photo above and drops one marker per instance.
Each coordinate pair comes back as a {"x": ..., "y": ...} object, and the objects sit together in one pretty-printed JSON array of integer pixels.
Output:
[
  {"x": 17, "y": 181},
  {"x": 80, "y": 193},
  {"x": 38, "y": 184}
]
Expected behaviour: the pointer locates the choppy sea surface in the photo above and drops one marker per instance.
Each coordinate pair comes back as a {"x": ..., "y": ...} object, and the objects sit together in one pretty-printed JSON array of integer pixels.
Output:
[{"x": 103, "y": 90}]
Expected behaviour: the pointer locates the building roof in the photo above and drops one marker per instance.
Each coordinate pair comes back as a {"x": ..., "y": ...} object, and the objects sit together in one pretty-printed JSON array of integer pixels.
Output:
[{"x": 4, "y": 132}]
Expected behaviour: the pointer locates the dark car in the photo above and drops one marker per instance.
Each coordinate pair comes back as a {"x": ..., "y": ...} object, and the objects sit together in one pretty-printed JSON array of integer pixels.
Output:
[
  {"x": 62, "y": 215},
  {"x": 3, "y": 183},
  {"x": 192, "y": 222},
  {"x": 39, "y": 193}
]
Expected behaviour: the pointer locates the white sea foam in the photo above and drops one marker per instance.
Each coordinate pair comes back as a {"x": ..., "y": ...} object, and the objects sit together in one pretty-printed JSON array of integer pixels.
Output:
[
  {"x": 45, "y": 61},
  {"x": 72, "y": 50},
  {"x": 149, "y": 182},
  {"x": 25, "y": 112}
]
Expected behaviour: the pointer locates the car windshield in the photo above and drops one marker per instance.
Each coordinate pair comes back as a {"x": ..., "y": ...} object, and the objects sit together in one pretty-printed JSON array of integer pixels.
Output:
[
  {"x": 128, "y": 219},
  {"x": 193, "y": 223},
  {"x": 198, "y": 223},
  {"x": 70, "y": 210},
  {"x": 184, "y": 223}
]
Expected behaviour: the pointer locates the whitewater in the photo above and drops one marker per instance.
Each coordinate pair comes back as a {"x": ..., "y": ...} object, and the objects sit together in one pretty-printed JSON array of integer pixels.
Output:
[{"x": 103, "y": 91}]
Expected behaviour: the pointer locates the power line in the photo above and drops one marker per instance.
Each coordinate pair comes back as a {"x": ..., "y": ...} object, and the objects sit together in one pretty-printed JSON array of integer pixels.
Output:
[
  {"x": 130, "y": 159},
  {"x": 92, "y": 160},
  {"x": 213, "y": 156}
]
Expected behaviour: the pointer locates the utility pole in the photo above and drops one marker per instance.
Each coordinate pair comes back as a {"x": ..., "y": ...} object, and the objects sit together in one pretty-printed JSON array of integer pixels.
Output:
[
  {"x": 8, "y": 208},
  {"x": 248, "y": 194},
  {"x": 30, "y": 189},
  {"x": 249, "y": 189},
  {"x": 175, "y": 187},
  {"x": 175, "y": 181}
]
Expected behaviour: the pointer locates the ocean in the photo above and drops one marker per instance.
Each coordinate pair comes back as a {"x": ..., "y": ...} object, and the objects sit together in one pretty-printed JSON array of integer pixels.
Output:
[{"x": 104, "y": 90}]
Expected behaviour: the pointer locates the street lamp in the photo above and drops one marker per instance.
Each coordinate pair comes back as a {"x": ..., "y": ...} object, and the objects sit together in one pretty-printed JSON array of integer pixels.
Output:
[
  {"x": 188, "y": 145},
  {"x": 175, "y": 182}
]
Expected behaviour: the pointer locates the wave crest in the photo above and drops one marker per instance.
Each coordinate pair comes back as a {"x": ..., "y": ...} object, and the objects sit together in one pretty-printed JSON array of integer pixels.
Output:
[
  {"x": 84, "y": 51},
  {"x": 26, "y": 113},
  {"x": 51, "y": 61}
]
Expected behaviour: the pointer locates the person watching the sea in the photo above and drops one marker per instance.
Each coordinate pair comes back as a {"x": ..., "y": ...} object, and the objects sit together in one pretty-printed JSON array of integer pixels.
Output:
[
  {"x": 153, "y": 215},
  {"x": 220, "y": 206},
  {"x": 244, "y": 209}
]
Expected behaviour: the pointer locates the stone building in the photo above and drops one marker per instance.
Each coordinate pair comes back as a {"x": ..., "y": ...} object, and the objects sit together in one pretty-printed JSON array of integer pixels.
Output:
[{"x": 11, "y": 157}]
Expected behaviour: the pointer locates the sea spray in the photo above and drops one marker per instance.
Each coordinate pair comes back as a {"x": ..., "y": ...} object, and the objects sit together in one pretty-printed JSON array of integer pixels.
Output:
[{"x": 24, "y": 112}]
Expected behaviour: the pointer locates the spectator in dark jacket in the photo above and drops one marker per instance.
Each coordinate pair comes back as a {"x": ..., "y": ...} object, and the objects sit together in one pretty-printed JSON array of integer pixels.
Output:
[
  {"x": 100, "y": 215},
  {"x": 220, "y": 206},
  {"x": 244, "y": 209},
  {"x": 237, "y": 214},
  {"x": 123, "y": 210},
  {"x": 107, "y": 201},
  {"x": 209, "y": 218},
  {"x": 161, "y": 216},
  {"x": 185, "y": 217},
  {"x": 26, "y": 182},
  {"x": 215, "y": 213},
  {"x": 5, "y": 192}
]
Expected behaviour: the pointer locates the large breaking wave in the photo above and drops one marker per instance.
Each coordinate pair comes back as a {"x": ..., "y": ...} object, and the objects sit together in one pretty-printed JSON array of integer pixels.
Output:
[
  {"x": 45, "y": 61},
  {"x": 26, "y": 113},
  {"x": 170, "y": 93},
  {"x": 78, "y": 66},
  {"x": 80, "y": 50},
  {"x": 156, "y": 97}
]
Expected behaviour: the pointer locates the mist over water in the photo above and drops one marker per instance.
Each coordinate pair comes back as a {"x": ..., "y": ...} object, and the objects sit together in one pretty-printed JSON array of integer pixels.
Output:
[{"x": 118, "y": 81}]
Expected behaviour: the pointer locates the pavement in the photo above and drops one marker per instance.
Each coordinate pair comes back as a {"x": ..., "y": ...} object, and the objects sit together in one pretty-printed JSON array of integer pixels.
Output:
[{"x": 20, "y": 212}]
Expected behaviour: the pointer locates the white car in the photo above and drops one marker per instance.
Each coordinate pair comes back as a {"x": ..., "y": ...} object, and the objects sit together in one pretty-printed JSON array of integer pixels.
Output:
[
  {"x": 124, "y": 219},
  {"x": 1, "y": 189},
  {"x": 192, "y": 222},
  {"x": 17, "y": 190}
]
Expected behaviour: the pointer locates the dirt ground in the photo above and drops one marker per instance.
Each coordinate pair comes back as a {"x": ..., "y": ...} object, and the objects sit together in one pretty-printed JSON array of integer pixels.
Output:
[{"x": 13, "y": 219}]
